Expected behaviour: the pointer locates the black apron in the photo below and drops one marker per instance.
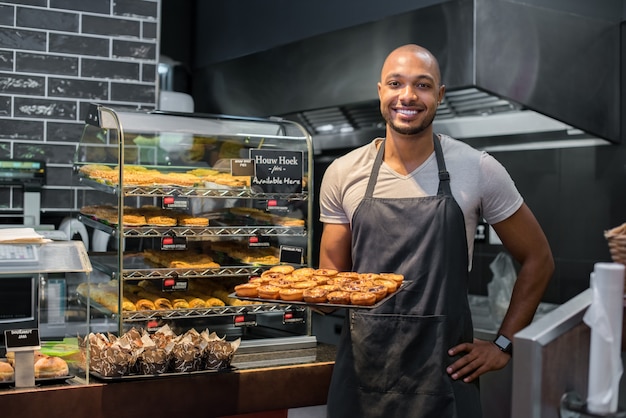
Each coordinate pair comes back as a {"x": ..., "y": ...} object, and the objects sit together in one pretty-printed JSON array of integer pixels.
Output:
[{"x": 391, "y": 360}]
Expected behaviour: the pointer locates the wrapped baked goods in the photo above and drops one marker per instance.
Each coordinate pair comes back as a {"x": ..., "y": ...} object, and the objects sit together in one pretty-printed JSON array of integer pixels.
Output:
[
  {"x": 139, "y": 352},
  {"x": 219, "y": 352},
  {"x": 187, "y": 352},
  {"x": 152, "y": 359},
  {"x": 110, "y": 356}
]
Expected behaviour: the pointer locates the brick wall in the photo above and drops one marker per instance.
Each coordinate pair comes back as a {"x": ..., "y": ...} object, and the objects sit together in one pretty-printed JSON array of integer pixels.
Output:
[{"x": 56, "y": 57}]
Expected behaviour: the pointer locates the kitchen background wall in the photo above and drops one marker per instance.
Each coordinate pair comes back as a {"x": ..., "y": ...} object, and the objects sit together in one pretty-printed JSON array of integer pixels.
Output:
[
  {"x": 56, "y": 57},
  {"x": 576, "y": 193}
]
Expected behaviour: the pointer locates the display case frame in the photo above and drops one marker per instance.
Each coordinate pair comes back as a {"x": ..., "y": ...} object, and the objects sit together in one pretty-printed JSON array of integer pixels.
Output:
[{"x": 106, "y": 142}]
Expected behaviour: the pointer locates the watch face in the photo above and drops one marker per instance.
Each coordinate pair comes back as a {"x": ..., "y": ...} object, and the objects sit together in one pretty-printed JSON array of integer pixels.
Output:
[{"x": 503, "y": 343}]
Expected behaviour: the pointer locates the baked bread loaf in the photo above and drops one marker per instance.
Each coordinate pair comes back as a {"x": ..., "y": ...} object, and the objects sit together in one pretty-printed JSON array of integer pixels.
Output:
[
  {"x": 6, "y": 372},
  {"x": 47, "y": 367}
]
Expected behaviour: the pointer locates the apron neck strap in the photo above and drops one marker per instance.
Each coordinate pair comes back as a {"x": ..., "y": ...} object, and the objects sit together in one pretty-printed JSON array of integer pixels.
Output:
[{"x": 444, "y": 175}]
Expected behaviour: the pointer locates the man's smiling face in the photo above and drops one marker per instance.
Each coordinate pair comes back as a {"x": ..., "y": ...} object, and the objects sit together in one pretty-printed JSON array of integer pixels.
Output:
[{"x": 410, "y": 90}]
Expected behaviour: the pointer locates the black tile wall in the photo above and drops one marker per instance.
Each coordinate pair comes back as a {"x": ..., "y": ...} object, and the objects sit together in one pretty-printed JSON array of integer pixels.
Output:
[
  {"x": 46, "y": 64},
  {"x": 100, "y": 6},
  {"x": 44, "y": 108},
  {"x": 111, "y": 26},
  {"x": 148, "y": 73},
  {"x": 28, "y": 2},
  {"x": 79, "y": 45},
  {"x": 6, "y": 15},
  {"x": 149, "y": 30},
  {"x": 6, "y": 60},
  {"x": 116, "y": 70},
  {"x": 22, "y": 39},
  {"x": 21, "y": 129},
  {"x": 5, "y": 151},
  {"x": 56, "y": 57},
  {"x": 63, "y": 132},
  {"x": 22, "y": 84},
  {"x": 135, "y": 8},
  {"x": 45, "y": 19},
  {"x": 127, "y": 92},
  {"x": 128, "y": 49},
  {"x": 82, "y": 89},
  {"x": 5, "y": 106}
]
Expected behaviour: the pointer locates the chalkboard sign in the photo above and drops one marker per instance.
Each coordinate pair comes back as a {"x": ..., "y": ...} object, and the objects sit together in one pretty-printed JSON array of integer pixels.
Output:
[
  {"x": 291, "y": 255},
  {"x": 277, "y": 171},
  {"x": 22, "y": 339},
  {"x": 241, "y": 167}
]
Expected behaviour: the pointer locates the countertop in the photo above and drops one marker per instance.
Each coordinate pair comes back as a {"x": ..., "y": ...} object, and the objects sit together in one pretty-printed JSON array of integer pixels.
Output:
[{"x": 254, "y": 389}]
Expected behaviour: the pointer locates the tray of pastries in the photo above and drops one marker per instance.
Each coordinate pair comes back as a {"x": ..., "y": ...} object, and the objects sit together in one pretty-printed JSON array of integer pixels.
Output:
[
  {"x": 321, "y": 287},
  {"x": 48, "y": 369},
  {"x": 144, "y": 216},
  {"x": 137, "y": 354}
]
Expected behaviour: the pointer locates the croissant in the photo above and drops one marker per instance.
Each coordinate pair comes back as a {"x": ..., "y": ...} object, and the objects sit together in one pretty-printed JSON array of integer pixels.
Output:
[
  {"x": 163, "y": 303},
  {"x": 145, "y": 305},
  {"x": 127, "y": 305},
  {"x": 210, "y": 302},
  {"x": 180, "y": 304}
]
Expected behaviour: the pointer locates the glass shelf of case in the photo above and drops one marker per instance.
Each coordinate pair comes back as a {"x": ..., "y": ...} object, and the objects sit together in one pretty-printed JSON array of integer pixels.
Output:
[
  {"x": 107, "y": 263},
  {"x": 194, "y": 232},
  {"x": 192, "y": 192},
  {"x": 207, "y": 312}
]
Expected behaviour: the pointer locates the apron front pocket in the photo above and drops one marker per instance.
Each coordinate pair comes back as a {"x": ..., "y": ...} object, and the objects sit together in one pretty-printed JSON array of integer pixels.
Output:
[{"x": 403, "y": 354}]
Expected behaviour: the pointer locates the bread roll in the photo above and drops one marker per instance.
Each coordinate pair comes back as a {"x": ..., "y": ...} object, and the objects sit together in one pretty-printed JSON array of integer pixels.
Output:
[
  {"x": 51, "y": 367},
  {"x": 6, "y": 372}
]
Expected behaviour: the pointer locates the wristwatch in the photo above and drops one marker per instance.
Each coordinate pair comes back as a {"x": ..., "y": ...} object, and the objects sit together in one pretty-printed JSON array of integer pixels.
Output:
[{"x": 503, "y": 343}]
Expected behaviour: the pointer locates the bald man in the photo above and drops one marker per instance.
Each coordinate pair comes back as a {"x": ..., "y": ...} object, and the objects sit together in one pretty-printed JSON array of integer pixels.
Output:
[{"x": 409, "y": 203}]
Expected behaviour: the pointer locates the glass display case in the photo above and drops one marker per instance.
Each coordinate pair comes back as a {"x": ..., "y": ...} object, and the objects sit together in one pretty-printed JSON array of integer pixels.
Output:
[
  {"x": 183, "y": 207},
  {"x": 40, "y": 317}
]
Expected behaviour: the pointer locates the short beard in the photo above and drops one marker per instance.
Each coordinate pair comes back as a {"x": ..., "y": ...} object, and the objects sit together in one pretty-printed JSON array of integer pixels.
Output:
[{"x": 409, "y": 130}]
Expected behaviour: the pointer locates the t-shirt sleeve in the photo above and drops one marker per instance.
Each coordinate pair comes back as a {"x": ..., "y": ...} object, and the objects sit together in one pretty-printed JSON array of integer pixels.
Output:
[
  {"x": 501, "y": 199},
  {"x": 330, "y": 200}
]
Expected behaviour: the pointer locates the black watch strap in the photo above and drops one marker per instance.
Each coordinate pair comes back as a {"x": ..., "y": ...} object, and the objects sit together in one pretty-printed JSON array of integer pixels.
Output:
[{"x": 503, "y": 343}]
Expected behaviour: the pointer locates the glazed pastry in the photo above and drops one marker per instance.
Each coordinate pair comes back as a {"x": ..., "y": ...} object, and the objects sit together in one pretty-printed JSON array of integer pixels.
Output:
[
  {"x": 285, "y": 269},
  {"x": 339, "y": 297},
  {"x": 362, "y": 298},
  {"x": 247, "y": 290},
  {"x": 268, "y": 291},
  {"x": 291, "y": 294},
  {"x": 314, "y": 295}
]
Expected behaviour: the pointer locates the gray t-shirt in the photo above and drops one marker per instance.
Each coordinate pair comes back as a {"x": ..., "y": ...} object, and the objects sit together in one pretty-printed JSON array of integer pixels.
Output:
[{"x": 480, "y": 184}]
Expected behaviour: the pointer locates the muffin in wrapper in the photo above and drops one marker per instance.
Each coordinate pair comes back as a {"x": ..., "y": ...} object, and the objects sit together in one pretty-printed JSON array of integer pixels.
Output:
[
  {"x": 219, "y": 352},
  {"x": 109, "y": 356},
  {"x": 186, "y": 351},
  {"x": 138, "y": 352},
  {"x": 152, "y": 359}
]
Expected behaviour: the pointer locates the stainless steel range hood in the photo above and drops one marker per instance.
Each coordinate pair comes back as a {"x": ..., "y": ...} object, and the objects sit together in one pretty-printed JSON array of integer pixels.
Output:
[{"x": 517, "y": 72}]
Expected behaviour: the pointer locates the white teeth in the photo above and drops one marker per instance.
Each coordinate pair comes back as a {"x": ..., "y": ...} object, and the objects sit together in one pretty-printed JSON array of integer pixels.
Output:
[{"x": 407, "y": 112}]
